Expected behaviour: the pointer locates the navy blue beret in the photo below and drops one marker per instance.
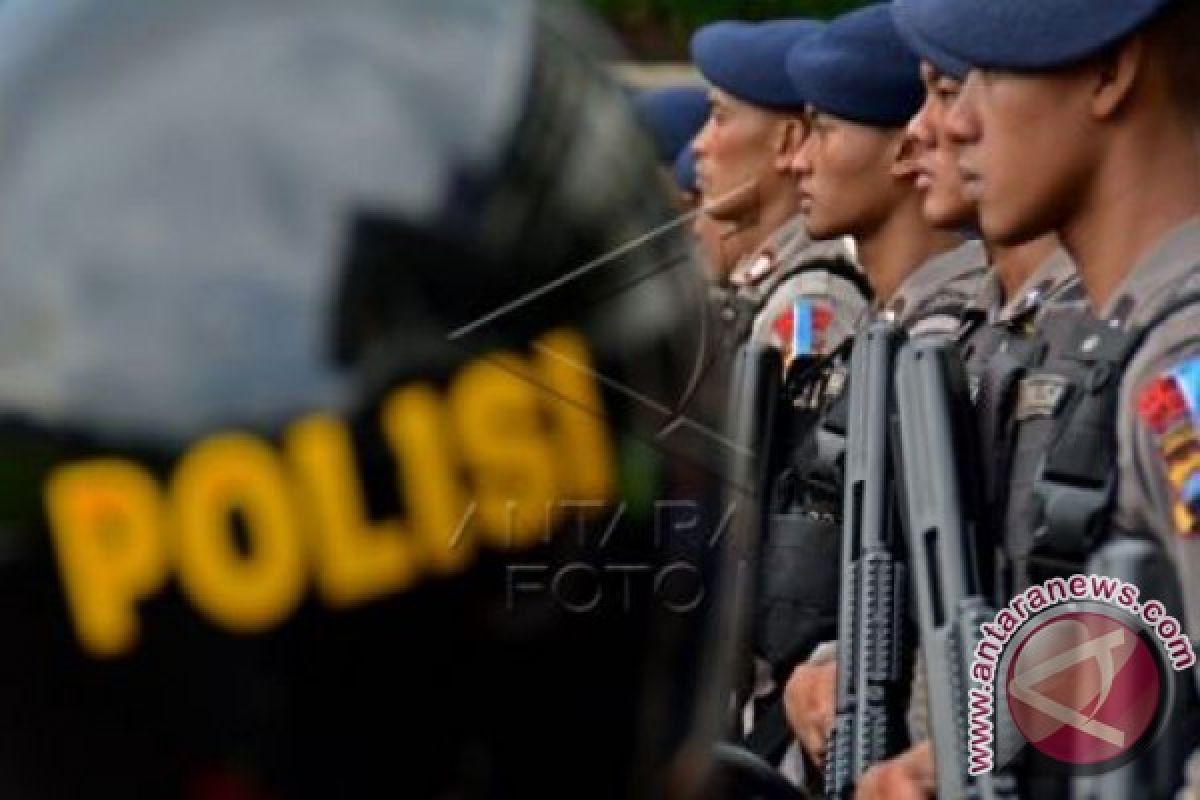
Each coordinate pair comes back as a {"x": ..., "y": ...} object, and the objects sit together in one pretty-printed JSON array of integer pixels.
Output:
[
  {"x": 685, "y": 170},
  {"x": 859, "y": 68},
  {"x": 673, "y": 116},
  {"x": 749, "y": 60},
  {"x": 946, "y": 62},
  {"x": 1028, "y": 35}
]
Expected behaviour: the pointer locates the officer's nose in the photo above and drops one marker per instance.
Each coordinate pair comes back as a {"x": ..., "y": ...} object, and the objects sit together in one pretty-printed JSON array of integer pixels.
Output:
[
  {"x": 920, "y": 128},
  {"x": 800, "y": 162},
  {"x": 703, "y": 141},
  {"x": 962, "y": 118}
]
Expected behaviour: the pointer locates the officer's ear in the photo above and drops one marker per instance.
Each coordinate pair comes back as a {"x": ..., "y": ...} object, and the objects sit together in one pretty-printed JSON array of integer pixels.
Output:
[
  {"x": 1116, "y": 72},
  {"x": 904, "y": 152},
  {"x": 790, "y": 133}
]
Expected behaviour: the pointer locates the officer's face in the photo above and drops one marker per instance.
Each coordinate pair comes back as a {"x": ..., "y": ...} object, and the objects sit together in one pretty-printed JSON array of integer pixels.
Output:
[
  {"x": 735, "y": 157},
  {"x": 946, "y": 204},
  {"x": 1026, "y": 149},
  {"x": 845, "y": 175}
]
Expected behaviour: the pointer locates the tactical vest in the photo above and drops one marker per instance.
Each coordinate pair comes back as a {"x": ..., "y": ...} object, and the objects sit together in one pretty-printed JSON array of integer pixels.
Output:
[
  {"x": 1060, "y": 502},
  {"x": 796, "y": 607},
  {"x": 1061, "y": 444},
  {"x": 788, "y": 542},
  {"x": 1004, "y": 364}
]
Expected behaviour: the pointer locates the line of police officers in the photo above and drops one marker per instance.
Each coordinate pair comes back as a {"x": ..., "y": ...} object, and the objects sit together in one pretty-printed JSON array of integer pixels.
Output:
[{"x": 1022, "y": 176}]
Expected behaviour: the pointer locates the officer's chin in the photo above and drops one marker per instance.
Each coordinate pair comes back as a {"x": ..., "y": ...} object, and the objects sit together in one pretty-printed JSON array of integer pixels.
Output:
[{"x": 739, "y": 205}]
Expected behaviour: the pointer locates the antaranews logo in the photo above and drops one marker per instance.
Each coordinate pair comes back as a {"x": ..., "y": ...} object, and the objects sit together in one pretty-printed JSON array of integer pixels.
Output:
[{"x": 1085, "y": 672}]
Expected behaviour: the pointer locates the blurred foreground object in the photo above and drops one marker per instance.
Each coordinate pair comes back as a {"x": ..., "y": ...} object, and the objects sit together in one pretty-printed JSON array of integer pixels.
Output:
[{"x": 326, "y": 429}]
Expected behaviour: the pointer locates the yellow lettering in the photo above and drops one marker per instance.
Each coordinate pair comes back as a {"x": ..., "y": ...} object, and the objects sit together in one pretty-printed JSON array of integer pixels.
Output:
[
  {"x": 578, "y": 412},
  {"x": 106, "y": 518},
  {"x": 415, "y": 426},
  {"x": 355, "y": 559},
  {"x": 506, "y": 449},
  {"x": 230, "y": 474}
]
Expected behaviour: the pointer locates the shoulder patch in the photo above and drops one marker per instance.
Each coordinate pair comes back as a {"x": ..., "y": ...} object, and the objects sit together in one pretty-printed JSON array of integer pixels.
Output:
[
  {"x": 1170, "y": 408},
  {"x": 800, "y": 330}
]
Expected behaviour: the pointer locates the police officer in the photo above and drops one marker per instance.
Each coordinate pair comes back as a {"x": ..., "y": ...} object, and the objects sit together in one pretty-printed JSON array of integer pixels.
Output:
[
  {"x": 859, "y": 171},
  {"x": 1027, "y": 283},
  {"x": 801, "y": 297},
  {"x": 307, "y": 435},
  {"x": 856, "y": 171},
  {"x": 1118, "y": 84},
  {"x": 673, "y": 116}
]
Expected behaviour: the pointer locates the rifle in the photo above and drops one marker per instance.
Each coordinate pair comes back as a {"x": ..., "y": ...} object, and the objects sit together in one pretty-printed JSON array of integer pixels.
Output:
[
  {"x": 739, "y": 770},
  {"x": 939, "y": 465},
  {"x": 872, "y": 680},
  {"x": 754, "y": 404}
]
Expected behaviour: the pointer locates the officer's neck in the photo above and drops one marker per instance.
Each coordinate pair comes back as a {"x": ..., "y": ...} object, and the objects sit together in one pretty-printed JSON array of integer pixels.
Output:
[
  {"x": 1146, "y": 184},
  {"x": 767, "y": 216},
  {"x": 1015, "y": 265},
  {"x": 899, "y": 247}
]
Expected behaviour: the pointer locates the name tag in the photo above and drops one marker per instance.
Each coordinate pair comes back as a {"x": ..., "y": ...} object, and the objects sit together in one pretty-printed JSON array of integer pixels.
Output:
[{"x": 1040, "y": 396}]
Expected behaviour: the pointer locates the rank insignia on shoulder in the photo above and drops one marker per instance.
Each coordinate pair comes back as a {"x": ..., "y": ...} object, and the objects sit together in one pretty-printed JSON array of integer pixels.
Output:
[
  {"x": 1170, "y": 407},
  {"x": 752, "y": 274}
]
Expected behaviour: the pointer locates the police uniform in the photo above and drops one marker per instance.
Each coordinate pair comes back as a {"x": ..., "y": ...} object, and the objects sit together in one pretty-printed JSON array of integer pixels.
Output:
[
  {"x": 801, "y": 297},
  {"x": 995, "y": 337},
  {"x": 933, "y": 297},
  {"x": 1103, "y": 419},
  {"x": 1158, "y": 418},
  {"x": 1101, "y": 437},
  {"x": 797, "y": 606}
]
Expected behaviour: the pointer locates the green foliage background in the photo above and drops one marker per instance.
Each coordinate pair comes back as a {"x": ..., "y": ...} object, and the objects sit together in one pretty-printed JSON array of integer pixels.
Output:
[{"x": 661, "y": 28}]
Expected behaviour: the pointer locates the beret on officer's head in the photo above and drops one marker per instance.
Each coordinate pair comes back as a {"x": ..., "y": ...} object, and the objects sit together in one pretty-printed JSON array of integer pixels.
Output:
[
  {"x": 1026, "y": 35},
  {"x": 673, "y": 116},
  {"x": 685, "y": 170},
  {"x": 859, "y": 68},
  {"x": 942, "y": 59},
  {"x": 749, "y": 59}
]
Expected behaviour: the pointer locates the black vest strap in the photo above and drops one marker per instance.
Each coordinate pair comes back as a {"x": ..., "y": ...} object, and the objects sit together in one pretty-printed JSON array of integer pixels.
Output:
[{"x": 1077, "y": 482}]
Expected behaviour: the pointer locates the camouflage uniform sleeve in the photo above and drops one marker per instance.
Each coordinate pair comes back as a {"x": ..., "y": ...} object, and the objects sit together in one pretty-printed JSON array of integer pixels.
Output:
[
  {"x": 813, "y": 311},
  {"x": 1158, "y": 440}
]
